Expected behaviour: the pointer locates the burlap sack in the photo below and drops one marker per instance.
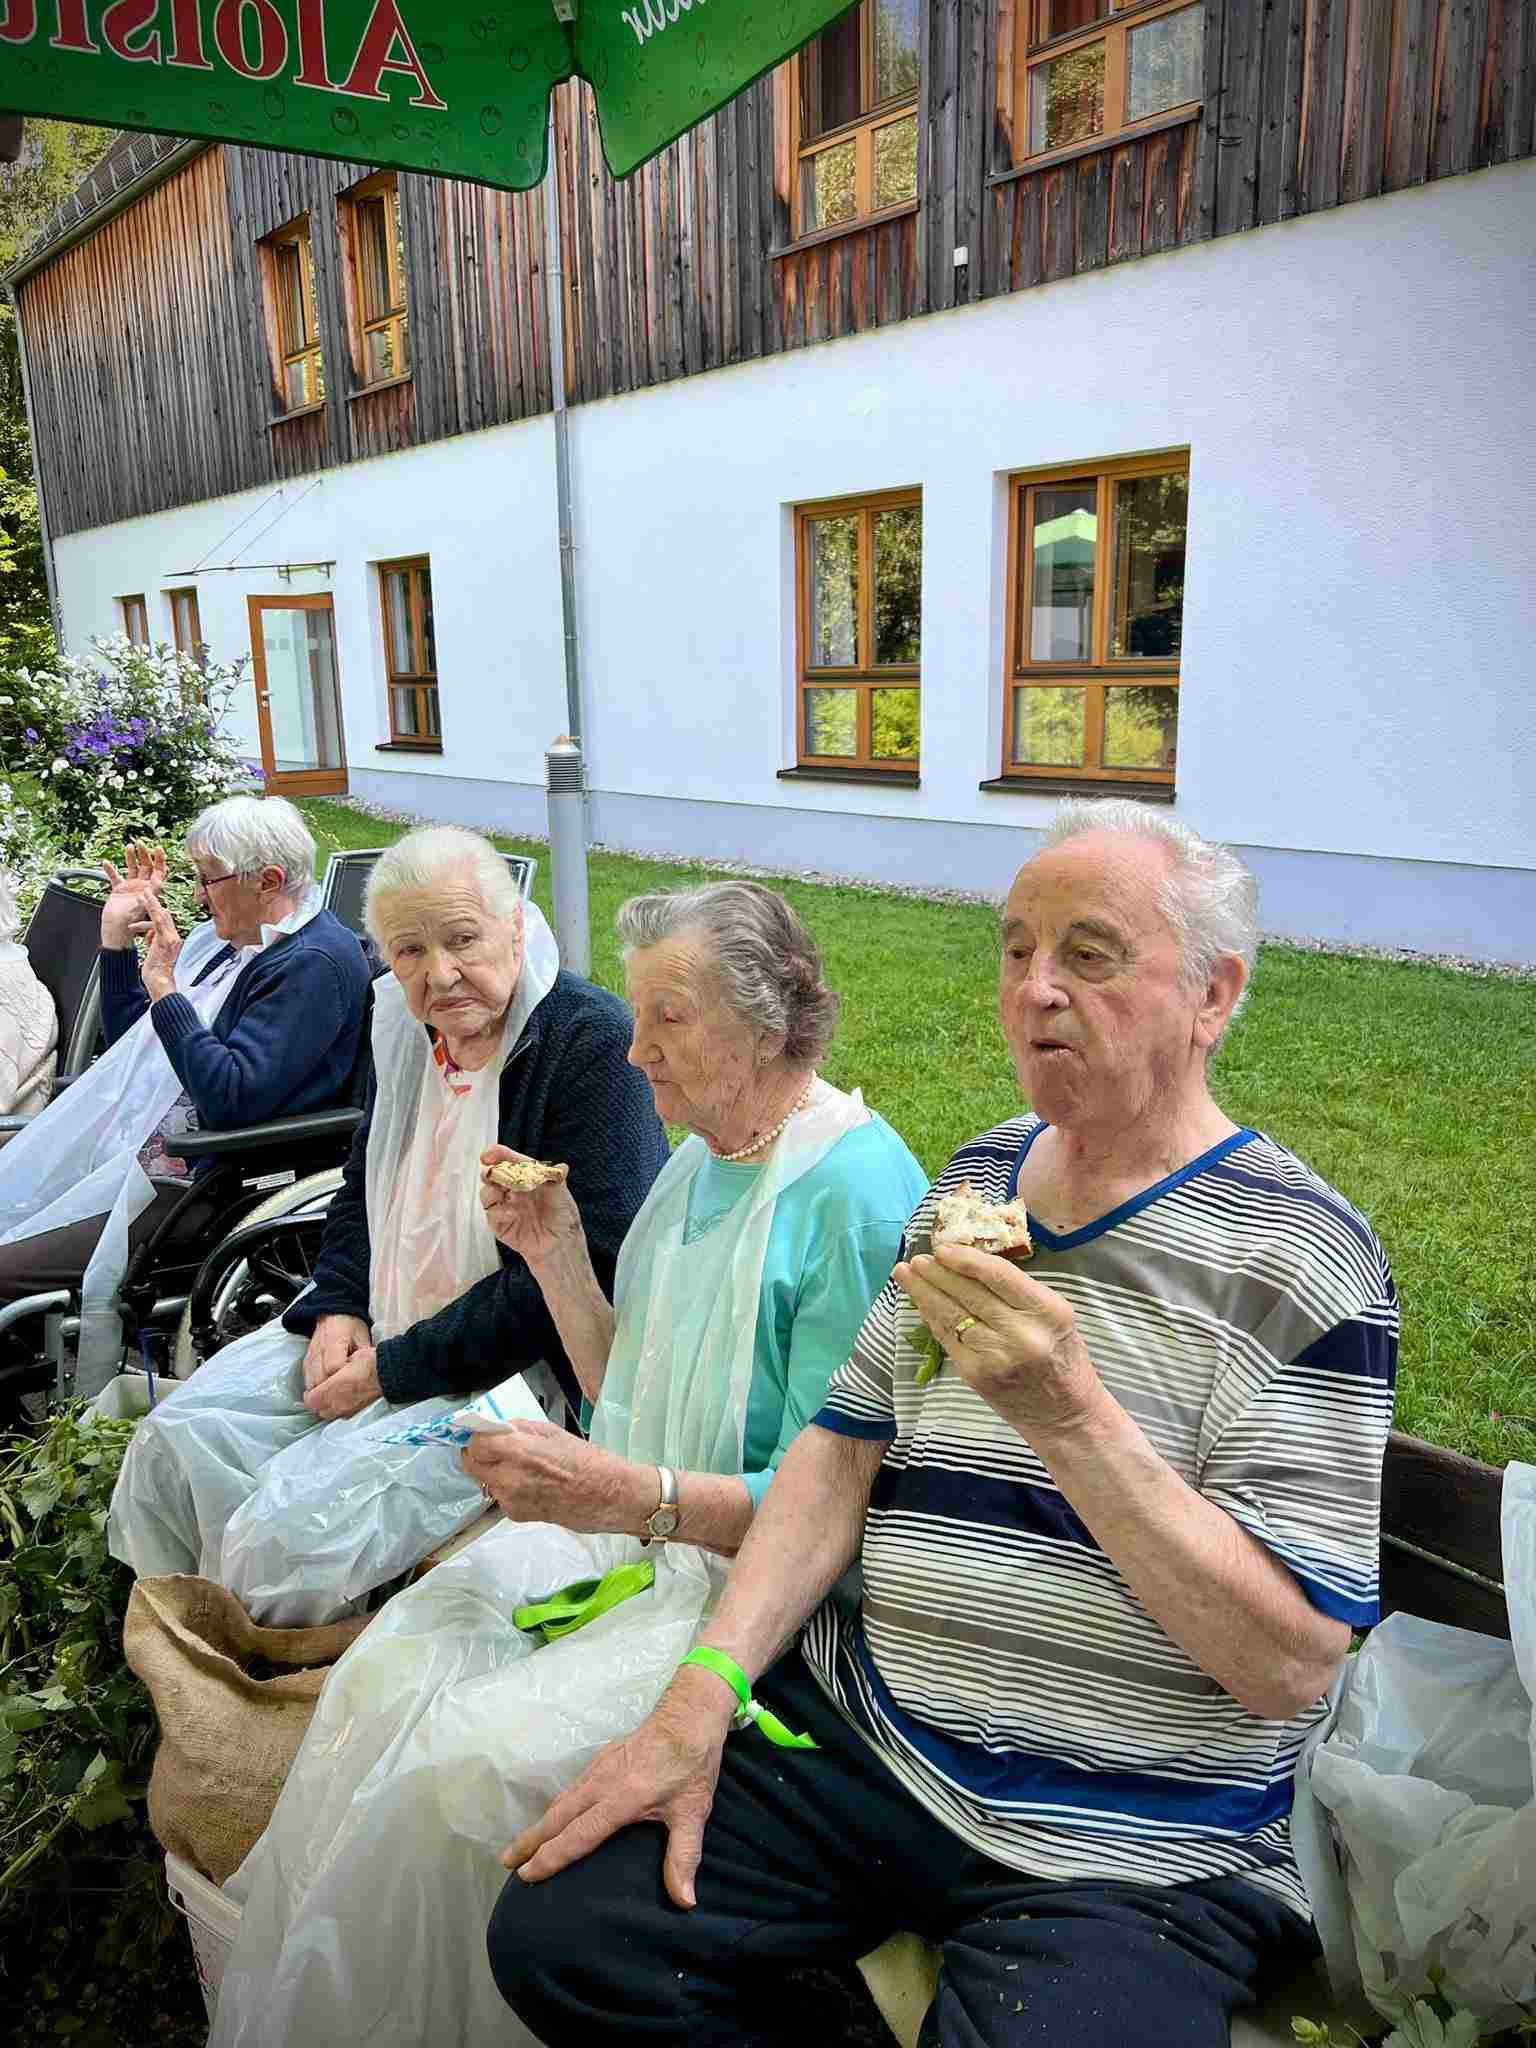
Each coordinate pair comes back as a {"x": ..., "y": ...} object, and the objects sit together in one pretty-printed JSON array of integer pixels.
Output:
[{"x": 227, "y": 1736}]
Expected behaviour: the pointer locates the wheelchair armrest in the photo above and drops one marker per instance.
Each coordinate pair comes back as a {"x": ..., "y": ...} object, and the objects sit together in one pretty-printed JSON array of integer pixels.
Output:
[{"x": 283, "y": 1130}]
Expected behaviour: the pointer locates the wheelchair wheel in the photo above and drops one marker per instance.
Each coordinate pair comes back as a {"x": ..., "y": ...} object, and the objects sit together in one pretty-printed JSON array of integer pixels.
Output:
[{"x": 256, "y": 1290}]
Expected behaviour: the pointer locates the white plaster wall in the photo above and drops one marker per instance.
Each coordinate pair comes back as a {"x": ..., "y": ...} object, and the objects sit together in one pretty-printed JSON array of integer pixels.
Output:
[
  {"x": 1358, "y": 391},
  {"x": 482, "y": 507}
]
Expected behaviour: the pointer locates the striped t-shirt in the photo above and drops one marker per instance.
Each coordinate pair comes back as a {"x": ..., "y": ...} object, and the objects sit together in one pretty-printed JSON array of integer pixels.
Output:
[{"x": 1244, "y": 1315}]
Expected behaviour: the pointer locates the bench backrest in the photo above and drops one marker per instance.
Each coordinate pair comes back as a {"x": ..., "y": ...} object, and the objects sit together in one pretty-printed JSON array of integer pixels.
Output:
[{"x": 1440, "y": 1550}]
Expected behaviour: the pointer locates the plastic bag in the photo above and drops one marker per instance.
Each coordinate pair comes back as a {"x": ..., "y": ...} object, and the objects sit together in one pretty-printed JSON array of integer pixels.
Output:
[
  {"x": 1428, "y": 1776},
  {"x": 438, "y": 1738}
]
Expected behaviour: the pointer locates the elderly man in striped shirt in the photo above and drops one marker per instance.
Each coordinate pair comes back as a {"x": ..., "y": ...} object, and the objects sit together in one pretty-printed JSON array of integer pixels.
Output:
[{"x": 1112, "y": 1555}]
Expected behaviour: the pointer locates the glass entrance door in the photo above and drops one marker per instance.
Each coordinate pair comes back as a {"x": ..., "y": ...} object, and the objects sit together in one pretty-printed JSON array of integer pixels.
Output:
[{"x": 298, "y": 698}]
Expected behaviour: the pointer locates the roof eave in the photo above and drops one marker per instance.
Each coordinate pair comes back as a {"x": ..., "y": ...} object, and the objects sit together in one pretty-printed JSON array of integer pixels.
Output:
[{"x": 67, "y": 236}]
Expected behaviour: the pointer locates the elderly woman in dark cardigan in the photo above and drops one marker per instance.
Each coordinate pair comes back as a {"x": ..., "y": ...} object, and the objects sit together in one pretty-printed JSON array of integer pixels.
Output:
[{"x": 272, "y": 1470}]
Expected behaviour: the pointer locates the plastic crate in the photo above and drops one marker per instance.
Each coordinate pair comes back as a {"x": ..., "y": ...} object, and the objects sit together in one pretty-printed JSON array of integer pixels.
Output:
[{"x": 213, "y": 1921}]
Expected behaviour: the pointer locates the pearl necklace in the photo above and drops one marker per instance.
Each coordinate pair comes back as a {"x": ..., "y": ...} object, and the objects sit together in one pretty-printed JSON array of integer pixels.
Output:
[{"x": 761, "y": 1144}]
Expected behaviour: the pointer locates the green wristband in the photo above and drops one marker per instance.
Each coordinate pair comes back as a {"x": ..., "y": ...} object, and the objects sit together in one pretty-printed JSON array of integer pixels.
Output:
[{"x": 768, "y": 1723}]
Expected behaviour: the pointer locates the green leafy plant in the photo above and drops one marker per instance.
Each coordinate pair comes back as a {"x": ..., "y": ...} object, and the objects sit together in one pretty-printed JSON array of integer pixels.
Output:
[
  {"x": 76, "y": 1727},
  {"x": 91, "y": 1949},
  {"x": 1430, "y": 2024}
]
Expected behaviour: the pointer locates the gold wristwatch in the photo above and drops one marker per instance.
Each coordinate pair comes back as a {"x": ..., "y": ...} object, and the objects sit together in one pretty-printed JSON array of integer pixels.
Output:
[{"x": 664, "y": 1519}]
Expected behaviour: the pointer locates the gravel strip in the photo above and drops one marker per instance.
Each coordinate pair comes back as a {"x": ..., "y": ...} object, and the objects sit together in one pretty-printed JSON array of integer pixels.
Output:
[{"x": 1458, "y": 963}]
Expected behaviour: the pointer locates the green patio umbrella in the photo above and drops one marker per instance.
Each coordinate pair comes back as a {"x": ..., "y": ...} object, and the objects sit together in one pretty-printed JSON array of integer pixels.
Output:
[{"x": 459, "y": 87}]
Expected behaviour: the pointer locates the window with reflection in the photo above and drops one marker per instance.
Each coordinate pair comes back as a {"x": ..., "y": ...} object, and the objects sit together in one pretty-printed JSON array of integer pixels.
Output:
[
  {"x": 186, "y": 626},
  {"x": 135, "y": 617},
  {"x": 293, "y": 317},
  {"x": 859, "y": 565},
  {"x": 856, "y": 105},
  {"x": 1090, "y": 71},
  {"x": 1096, "y": 622},
  {"x": 374, "y": 243},
  {"x": 410, "y": 653}
]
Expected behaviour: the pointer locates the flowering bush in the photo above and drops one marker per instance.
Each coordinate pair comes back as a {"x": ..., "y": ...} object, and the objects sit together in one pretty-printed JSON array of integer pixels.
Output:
[
  {"x": 134, "y": 737},
  {"x": 128, "y": 744}
]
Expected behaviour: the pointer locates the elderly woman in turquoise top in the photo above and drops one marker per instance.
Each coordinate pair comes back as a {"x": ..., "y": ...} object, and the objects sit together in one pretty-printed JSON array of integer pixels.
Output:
[{"x": 740, "y": 1288}]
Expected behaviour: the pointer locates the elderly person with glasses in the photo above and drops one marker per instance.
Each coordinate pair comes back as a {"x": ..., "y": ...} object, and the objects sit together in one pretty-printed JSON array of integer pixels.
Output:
[
  {"x": 480, "y": 1691},
  {"x": 275, "y": 1470},
  {"x": 1117, "y": 1513},
  {"x": 257, "y": 1013}
]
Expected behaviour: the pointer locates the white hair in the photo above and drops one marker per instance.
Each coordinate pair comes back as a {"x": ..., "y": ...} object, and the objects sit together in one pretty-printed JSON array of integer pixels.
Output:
[
  {"x": 1209, "y": 897},
  {"x": 249, "y": 833},
  {"x": 769, "y": 966},
  {"x": 427, "y": 857},
  {"x": 10, "y": 916}
]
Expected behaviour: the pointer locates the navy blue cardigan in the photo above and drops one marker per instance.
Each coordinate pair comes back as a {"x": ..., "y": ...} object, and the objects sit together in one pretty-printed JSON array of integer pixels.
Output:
[
  {"x": 284, "y": 1040},
  {"x": 567, "y": 1093}
]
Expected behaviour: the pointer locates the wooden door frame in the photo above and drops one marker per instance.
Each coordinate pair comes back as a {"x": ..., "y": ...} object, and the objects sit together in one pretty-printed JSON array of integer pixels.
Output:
[{"x": 306, "y": 781}]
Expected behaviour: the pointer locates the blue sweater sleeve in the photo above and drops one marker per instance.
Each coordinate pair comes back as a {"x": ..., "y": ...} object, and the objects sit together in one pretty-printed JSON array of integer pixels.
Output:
[
  {"x": 124, "y": 998},
  {"x": 279, "y": 1040}
]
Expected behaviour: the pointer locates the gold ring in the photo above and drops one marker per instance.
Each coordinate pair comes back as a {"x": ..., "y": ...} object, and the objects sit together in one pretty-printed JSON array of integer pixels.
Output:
[{"x": 964, "y": 1324}]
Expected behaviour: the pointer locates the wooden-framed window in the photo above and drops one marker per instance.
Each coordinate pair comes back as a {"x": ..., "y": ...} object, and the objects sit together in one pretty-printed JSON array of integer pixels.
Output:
[
  {"x": 373, "y": 242},
  {"x": 1096, "y": 621},
  {"x": 135, "y": 619},
  {"x": 859, "y": 574},
  {"x": 410, "y": 653},
  {"x": 186, "y": 626},
  {"x": 1089, "y": 71},
  {"x": 293, "y": 317},
  {"x": 854, "y": 112}
]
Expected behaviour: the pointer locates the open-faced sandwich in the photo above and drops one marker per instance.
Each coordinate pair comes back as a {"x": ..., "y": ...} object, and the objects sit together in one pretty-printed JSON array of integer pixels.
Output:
[
  {"x": 966, "y": 1218},
  {"x": 524, "y": 1175}
]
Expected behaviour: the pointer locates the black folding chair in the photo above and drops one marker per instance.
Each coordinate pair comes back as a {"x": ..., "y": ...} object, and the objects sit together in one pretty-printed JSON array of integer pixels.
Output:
[
  {"x": 63, "y": 942},
  {"x": 346, "y": 884}
]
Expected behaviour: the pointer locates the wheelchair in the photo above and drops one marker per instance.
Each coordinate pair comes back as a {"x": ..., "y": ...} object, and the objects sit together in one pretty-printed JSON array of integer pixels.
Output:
[{"x": 240, "y": 1243}]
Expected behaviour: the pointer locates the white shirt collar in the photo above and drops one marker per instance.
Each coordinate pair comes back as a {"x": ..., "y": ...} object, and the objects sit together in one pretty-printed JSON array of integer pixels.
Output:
[{"x": 310, "y": 904}]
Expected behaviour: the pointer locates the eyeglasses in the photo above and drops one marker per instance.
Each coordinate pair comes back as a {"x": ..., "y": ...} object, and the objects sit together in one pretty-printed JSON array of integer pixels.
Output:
[{"x": 207, "y": 882}]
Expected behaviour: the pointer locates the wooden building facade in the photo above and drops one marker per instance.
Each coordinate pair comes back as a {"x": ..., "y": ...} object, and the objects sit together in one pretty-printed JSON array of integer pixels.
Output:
[{"x": 150, "y": 336}]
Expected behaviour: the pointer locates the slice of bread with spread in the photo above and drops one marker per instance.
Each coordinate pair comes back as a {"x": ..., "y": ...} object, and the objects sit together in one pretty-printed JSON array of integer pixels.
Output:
[
  {"x": 522, "y": 1176},
  {"x": 968, "y": 1219}
]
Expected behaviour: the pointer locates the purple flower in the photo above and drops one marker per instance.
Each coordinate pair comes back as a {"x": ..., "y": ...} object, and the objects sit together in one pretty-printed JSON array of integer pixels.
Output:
[{"x": 30, "y": 736}]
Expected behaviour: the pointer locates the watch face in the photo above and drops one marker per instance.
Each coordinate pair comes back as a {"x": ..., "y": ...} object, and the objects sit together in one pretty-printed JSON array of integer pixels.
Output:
[{"x": 663, "y": 1522}]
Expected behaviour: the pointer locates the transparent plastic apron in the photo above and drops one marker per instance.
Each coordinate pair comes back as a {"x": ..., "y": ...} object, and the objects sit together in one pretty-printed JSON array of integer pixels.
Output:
[
  {"x": 430, "y": 1238},
  {"x": 79, "y": 1159},
  {"x": 443, "y": 1733}
]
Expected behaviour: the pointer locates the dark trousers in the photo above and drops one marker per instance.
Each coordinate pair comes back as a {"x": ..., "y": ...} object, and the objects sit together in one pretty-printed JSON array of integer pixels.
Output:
[
  {"x": 814, "y": 1858},
  {"x": 58, "y": 1258}
]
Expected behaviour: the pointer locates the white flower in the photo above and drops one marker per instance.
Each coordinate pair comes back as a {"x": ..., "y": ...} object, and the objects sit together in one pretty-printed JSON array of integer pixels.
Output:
[
  {"x": 58, "y": 765},
  {"x": 7, "y": 700}
]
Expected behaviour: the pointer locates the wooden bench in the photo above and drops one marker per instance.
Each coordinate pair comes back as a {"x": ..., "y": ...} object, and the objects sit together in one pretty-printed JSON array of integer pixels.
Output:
[{"x": 1441, "y": 1558}]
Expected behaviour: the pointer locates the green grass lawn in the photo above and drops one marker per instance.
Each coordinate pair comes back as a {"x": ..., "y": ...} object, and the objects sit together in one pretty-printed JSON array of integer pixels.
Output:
[{"x": 1412, "y": 1089}]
